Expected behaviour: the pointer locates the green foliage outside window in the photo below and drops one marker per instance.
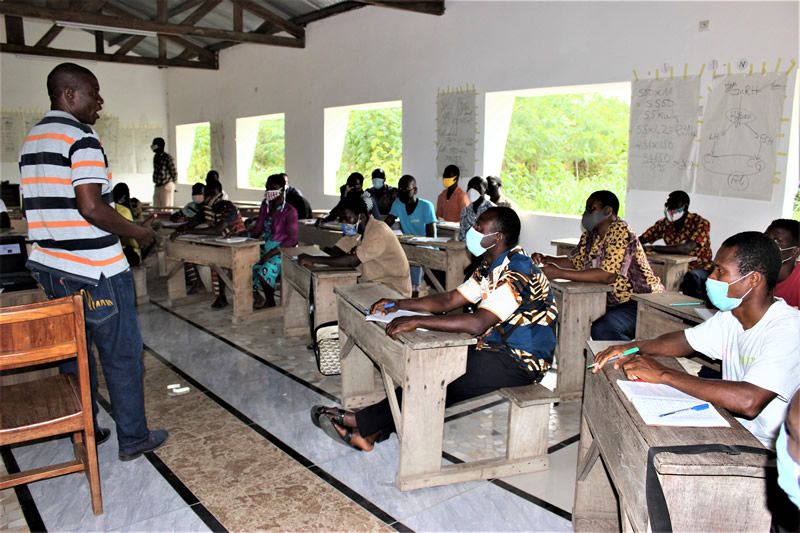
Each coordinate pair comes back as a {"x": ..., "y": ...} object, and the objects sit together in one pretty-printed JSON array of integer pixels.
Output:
[
  {"x": 269, "y": 156},
  {"x": 374, "y": 139},
  {"x": 200, "y": 163},
  {"x": 561, "y": 148}
]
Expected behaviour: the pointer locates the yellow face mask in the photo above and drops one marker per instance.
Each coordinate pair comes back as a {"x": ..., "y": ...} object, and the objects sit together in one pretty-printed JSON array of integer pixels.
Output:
[{"x": 449, "y": 182}]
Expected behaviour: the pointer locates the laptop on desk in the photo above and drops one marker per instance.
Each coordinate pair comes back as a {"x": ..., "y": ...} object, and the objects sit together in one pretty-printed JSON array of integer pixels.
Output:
[{"x": 13, "y": 256}]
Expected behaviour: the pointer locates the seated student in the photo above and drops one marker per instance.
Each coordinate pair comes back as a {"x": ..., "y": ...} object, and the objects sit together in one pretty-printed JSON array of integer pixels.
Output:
[
  {"x": 787, "y": 446},
  {"x": 369, "y": 244},
  {"x": 608, "y": 252},
  {"x": 683, "y": 233},
  {"x": 213, "y": 175},
  {"x": 514, "y": 323},
  {"x": 476, "y": 194},
  {"x": 452, "y": 200},
  {"x": 5, "y": 220},
  {"x": 295, "y": 198},
  {"x": 496, "y": 196},
  {"x": 416, "y": 216},
  {"x": 277, "y": 226},
  {"x": 754, "y": 335},
  {"x": 122, "y": 204},
  {"x": 383, "y": 193},
  {"x": 223, "y": 219},
  {"x": 190, "y": 209},
  {"x": 354, "y": 184},
  {"x": 786, "y": 234}
]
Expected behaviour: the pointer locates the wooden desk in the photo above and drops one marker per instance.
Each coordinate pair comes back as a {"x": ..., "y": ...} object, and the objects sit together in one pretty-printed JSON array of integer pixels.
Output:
[
  {"x": 423, "y": 363},
  {"x": 238, "y": 257},
  {"x": 565, "y": 245},
  {"x": 325, "y": 237},
  {"x": 448, "y": 229},
  {"x": 579, "y": 304},
  {"x": 670, "y": 268},
  {"x": 450, "y": 257},
  {"x": 297, "y": 283},
  {"x": 704, "y": 492}
]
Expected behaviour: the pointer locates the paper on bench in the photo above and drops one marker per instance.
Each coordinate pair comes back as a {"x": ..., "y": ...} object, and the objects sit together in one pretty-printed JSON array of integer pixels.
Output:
[
  {"x": 429, "y": 239},
  {"x": 653, "y": 399},
  {"x": 377, "y": 317}
]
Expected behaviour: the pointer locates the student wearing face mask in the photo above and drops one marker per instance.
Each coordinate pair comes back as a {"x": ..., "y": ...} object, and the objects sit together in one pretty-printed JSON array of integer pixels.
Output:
[
  {"x": 276, "y": 225},
  {"x": 381, "y": 192},
  {"x": 353, "y": 185},
  {"x": 786, "y": 234},
  {"x": 683, "y": 233},
  {"x": 513, "y": 323},
  {"x": 453, "y": 199},
  {"x": 608, "y": 252},
  {"x": 190, "y": 209},
  {"x": 755, "y": 337},
  {"x": 368, "y": 245},
  {"x": 476, "y": 194},
  {"x": 787, "y": 446}
]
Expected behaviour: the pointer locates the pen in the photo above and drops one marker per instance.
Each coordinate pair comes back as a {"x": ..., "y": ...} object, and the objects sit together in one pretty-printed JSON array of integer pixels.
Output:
[
  {"x": 387, "y": 306},
  {"x": 687, "y": 303},
  {"x": 701, "y": 407},
  {"x": 623, "y": 354}
]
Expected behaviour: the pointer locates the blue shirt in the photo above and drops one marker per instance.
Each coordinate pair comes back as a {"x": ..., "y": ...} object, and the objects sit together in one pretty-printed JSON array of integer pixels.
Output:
[{"x": 414, "y": 224}]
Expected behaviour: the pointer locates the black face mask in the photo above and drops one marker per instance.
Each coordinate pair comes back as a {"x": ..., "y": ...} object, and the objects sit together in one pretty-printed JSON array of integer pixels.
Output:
[{"x": 404, "y": 196}]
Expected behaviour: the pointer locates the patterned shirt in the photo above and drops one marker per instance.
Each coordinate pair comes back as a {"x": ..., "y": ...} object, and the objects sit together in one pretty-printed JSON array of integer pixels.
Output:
[
  {"x": 164, "y": 169},
  {"x": 695, "y": 228},
  {"x": 59, "y": 154},
  {"x": 280, "y": 226},
  {"x": 469, "y": 216},
  {"x": 618, "y": 252},
  {"x": 518, "y": 293},
  {"x": 218, "y": 210}
]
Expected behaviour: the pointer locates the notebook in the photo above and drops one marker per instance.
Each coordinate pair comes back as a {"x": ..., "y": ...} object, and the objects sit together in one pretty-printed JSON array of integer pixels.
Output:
[{"x": 654, "y": 399}]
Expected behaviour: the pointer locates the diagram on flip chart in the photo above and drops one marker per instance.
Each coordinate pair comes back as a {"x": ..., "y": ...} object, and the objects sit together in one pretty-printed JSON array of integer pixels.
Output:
[{"x": 740, "y": 134}]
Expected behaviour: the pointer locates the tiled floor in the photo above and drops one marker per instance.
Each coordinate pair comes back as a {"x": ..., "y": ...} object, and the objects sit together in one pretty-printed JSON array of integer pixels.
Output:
[{"x": 243, "y": 454}]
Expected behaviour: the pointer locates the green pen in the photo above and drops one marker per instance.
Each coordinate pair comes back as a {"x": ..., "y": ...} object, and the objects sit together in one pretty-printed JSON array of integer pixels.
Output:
[
  {"x": 623, "y": 354},
  {"x": 687, "y": 303}
]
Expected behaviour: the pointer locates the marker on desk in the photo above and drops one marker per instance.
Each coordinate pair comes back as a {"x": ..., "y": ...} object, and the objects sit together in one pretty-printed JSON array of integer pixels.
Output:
[
  {"x": 701, "y": 407},
  {"x": 623, "y": 354},
  {"x": 686, "y": 303}
]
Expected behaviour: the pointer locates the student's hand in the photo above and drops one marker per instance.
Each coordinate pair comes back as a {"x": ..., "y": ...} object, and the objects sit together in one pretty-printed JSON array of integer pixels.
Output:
[
  {"x": 537, "y": 257},
  {"x": 612, "y": 351},
  {"x": 305, "y": 260},
  {"x": 177, "y": 233},
  {"x": 381, "y": 304},
  {"x": 399, "y": 325},
  {"x": 318, "y": 223},
  {"x": 551, "y": 270},
  {"x": 644, "y": 368},
  {"x": 149, "y": 222},
  {"x": 147, "y": 236}
]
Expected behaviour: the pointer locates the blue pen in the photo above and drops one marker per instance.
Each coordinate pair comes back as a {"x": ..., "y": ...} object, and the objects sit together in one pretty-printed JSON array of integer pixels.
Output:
[
  {"x": 387, "y": 306},
  {"x": 701, "y": 407}
]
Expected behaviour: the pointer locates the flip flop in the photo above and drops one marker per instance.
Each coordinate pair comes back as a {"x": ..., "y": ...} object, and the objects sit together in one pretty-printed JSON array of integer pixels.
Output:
[
  {"x": 318, "y": 410},
  {"x": 329, "y": 427}
]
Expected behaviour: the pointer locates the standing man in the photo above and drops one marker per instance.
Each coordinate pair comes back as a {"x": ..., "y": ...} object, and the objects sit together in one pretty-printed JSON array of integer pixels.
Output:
[
  {"x": 74, "y": 231},
  {"x": 382, "y": 193},
  {"x": 164, "y": 174},
  {"x": 683, "y": 233}
]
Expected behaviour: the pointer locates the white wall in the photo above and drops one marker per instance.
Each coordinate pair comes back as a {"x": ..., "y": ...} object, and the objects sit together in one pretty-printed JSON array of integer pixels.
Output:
[
  {"x": 136, "y": 94},
  {"x": 375, "y": 54}
]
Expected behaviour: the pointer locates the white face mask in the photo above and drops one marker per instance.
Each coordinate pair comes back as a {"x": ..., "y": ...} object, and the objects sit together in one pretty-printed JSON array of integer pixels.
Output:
[
  {"x": 198, "y": 198},
  {"x": 473, "y": 195}
]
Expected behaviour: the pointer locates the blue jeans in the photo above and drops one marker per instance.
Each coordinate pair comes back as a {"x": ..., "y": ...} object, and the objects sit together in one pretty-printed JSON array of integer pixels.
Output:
[
  {"x": 416, "y": 276},
  {"x": 618, "y": 324},
  {"x": 112, "y": 324}
]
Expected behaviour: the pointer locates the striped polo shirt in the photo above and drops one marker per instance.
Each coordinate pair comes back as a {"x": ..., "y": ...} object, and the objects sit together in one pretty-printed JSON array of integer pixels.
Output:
[{"x": 59, "y": 154}]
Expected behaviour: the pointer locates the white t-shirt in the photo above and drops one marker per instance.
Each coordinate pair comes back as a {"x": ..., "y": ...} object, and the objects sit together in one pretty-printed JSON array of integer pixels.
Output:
[
  {"x": 3, "y": 208},
  {"x": 766, "y": 355}
]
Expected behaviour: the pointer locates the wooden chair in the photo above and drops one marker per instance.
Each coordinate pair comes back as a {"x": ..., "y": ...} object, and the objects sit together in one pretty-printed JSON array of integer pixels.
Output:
[{"x": 55, "y": 405}]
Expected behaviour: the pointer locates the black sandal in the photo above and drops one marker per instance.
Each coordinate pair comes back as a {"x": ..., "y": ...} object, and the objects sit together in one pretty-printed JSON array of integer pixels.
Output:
[
  {"x": 319, "y": 410},
  {"x": 330, "y": 428}
]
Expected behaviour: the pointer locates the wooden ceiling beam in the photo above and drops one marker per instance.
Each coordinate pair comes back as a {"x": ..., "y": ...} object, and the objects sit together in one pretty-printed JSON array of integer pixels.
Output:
[
  {"x": 238, "y": 17},
  {"x": 130, "y": 43},
  {"x": 22, "y": 10},
  {"x": 99, "y": 43},
  {"x": 198, "y": 14},
  {"x": 111, "y": 58},
  {"x": 430, "y": 7},
  {"x": 15, "y": 32},
  {"x": 266, "y": 14},
  {"x": 199, "y": 51},
  {"x": 185, "y": 6},
  {"x": 51, "y": 34}
]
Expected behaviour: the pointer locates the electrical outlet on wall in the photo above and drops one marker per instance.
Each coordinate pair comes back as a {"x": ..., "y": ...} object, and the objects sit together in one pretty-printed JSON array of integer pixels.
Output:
[{"x": 703, "y": 26}]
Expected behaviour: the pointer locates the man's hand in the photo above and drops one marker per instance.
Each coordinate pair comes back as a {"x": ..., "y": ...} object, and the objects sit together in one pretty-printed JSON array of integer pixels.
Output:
[
  {"x": 644, "y": 368},
  {"x": 148, "y": 234},
  {"x": 551, "y": 271},
  {"x": 381, "y": 304},
  {"x": 602, "y": 358},
  {"x": 538, "y": 258},
  {"x": 399, "y": 325},
  {"x": 305, "y": 260}
]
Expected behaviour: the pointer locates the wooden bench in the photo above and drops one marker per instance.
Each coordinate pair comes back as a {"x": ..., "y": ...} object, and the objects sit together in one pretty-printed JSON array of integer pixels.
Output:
[
  {"x": 140, "y": 284},
  {"x": 528, "y": 422}
]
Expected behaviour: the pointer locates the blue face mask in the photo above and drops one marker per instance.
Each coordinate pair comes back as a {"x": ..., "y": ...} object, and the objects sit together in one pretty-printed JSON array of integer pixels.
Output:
[
  {"x": 474, "y": 239},
  {"x": 718, "y": 294},
  {"x": 788, "y": 469},
  {"x": 674, "y": 215},
  {"x": 349, "y": 229},
  {"x": 377, "y": 183}
]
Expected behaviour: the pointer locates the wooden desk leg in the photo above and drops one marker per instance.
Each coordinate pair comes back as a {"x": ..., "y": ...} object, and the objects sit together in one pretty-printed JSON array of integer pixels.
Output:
[
  {"x": 358, "y": 375},
  {"x": 242, "y": 278},
  {"x": 575, "y": 328},
  {"x": 456, "y": 263},
  {"x": 176, "y": 281},
  {"x": 295, "y": 312},
  {"x": 595, "y": 507}
]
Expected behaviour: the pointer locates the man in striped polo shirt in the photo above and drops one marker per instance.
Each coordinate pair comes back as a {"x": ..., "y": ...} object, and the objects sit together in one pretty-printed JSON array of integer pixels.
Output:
[{"x": 74, "y": 231}]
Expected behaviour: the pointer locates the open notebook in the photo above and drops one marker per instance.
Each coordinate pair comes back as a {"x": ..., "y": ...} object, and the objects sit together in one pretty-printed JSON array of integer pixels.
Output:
[{"x": 652, "y": 400}]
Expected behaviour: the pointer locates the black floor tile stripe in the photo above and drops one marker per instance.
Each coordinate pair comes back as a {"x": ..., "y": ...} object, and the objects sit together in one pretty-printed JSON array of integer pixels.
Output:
[
  {"x": 501, "y": 484},
  {"x": 370, "y": 507},
  {"x": 26, "y": 503}
]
